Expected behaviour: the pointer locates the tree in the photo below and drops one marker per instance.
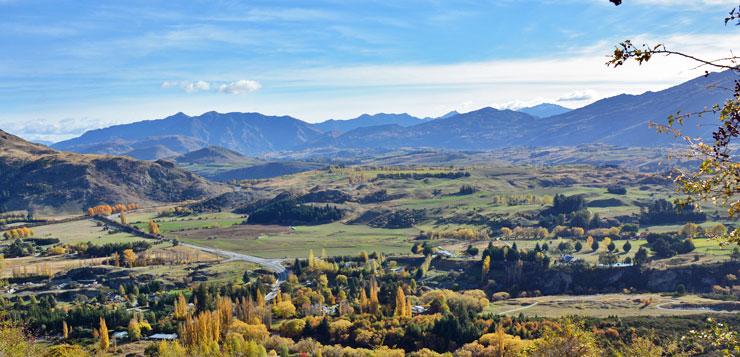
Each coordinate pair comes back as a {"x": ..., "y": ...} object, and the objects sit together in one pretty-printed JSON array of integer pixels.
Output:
[
  {"x": 181, "y": 307},
  {"x": 595, "y": 245},
  {"x": 134, "y": 330},
  {"x": 606, "y": 242},
  {"x": 129, "y": 257},
  {"x": 153, "y": 228},
  {"x": 570, "y": 340},
  {"x": 104, "y": 338},
  {"x": 65, "y": 330},
  {"x": 718, "y": 172},
  {"x": 400, "y": 310},
  {"x": 607, "y": 258},
  {"x": 611, "y": 247},
  {"x": 578, "y": 246},
  {"x": 123, "y": 218},
  {"x": 485, "y": 267},
  {"x": 641, "y": 257},
  {"x": 627, "y": 247}
]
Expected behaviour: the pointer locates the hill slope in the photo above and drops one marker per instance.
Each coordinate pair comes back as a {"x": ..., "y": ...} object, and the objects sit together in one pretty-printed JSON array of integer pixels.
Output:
[
  {"x": 212, "y": 155},
  {"x": 623, "y": 119},
  {"x": 36, "y": 176}
]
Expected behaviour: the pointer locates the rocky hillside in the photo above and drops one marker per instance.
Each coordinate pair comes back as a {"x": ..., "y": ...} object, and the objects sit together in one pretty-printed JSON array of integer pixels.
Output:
[{"x": 36, "y": 176}]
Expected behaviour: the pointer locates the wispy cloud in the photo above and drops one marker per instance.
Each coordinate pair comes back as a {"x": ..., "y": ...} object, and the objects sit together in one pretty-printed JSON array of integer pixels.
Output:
[{"x": 236, "y": 87}]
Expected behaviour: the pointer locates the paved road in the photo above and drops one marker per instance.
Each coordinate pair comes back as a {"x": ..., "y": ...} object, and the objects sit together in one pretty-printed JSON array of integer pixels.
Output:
[
  {"x": 273, "y": 265},
  {"x": 518, "y": 308}
]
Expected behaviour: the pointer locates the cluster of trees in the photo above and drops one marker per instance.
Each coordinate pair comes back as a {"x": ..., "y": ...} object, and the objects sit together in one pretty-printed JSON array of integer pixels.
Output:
[
  {"x": 379, "y": 196},
  {"x": 513, "y": 254},
  {"x": 518, "y": 200},
  {"x": 90, "y": 250},
  {"x": 692, "y": 230},
  {"x": 17, "y": 233},
  {"x": 107, "y": 210},
  {"x": 466, "y": 190},
  {"x": 289, "y": 212},
  {"x": 16, "y": 216},
  {"x": 472, "y": 234},
  {"x": 18, "y": 248},
  {"x": 423, "y": 175},
  {"x": 668, "y": 245},
  {"x": 664, "y": 212},
  {"x": 403, "y": 218}
]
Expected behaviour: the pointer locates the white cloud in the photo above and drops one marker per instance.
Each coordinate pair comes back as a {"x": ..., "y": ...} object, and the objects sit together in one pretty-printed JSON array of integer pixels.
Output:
[
  {"x": 578, "y": 96},
  {"x": 239, "y": 87},
  {"x": 236, "y": 87}
]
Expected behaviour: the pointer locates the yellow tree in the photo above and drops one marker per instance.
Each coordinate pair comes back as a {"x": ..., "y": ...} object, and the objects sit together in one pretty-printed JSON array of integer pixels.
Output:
[
  {"x": 181, "y": 308},
  {"x": 129, "y": 257},
  {"x": 363, "y": 301},
  {"x": 104, "y": 338},
  {"x": 400, "y": 310},
  {"x": 485, "y": 267},
  {"x": 605, "y": 242},
  {"x": 153, "y": 227},
  {"x": 311, "y": 259},
  {"x": 374, "y": 305},
  {"x": 65, "y": 330},
  {"x": 123, "y": 218},
  {"x": 134, "y": 329}
]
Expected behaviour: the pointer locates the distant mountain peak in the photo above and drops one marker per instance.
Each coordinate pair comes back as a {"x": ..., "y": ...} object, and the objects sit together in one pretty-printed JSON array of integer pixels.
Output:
[{"x": 544, "y": 110}]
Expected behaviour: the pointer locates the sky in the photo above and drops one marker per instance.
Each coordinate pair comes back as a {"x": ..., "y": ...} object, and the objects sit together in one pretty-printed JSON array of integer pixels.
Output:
[{"x": 71, "y": 66}]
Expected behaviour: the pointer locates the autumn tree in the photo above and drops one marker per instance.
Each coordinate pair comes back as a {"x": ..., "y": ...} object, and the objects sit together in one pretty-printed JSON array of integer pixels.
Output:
[
  {"x": 153, "y": 227},
  {"x": 485, "y": 267},
  {"x": 401, "y": 309},
  {"x": 181, "y": 308},
  {"x": 567, "y": 340},
  {"x": 104, "y": 338},
  {"x": 129, "y": 257}
]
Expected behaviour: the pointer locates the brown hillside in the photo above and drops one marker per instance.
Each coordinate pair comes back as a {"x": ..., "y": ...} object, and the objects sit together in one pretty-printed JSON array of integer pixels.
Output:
[{"x": 36, "y": 176}]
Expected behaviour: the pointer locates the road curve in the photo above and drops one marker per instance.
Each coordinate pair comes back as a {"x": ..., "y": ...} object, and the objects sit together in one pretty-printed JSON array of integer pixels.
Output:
[{"x": 273, "y": 265}]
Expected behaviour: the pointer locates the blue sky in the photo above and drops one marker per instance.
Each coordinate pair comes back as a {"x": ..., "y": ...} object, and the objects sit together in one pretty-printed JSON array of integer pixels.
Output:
[{"x": 68, "y": 66}]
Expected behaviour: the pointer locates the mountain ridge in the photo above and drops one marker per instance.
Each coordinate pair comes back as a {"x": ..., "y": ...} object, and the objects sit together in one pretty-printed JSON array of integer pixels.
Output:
[{"x": 619, "y": 120}]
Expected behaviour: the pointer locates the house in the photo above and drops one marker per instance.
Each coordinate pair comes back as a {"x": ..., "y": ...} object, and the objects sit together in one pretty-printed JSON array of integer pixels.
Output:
[
  {"x": 444, "y": 253},
  {"x": 418, "y": 309}
]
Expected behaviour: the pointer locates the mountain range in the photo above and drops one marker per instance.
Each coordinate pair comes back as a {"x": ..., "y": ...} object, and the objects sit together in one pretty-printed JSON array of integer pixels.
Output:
[{"x": 618, "y": 120}]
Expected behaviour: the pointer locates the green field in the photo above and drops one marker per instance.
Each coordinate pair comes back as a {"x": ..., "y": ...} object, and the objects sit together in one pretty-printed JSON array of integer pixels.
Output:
[
  {"x": 82, "y": 231},
  {"x": 175, "y": 224},
  {"x": 336, "y": 238}
]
